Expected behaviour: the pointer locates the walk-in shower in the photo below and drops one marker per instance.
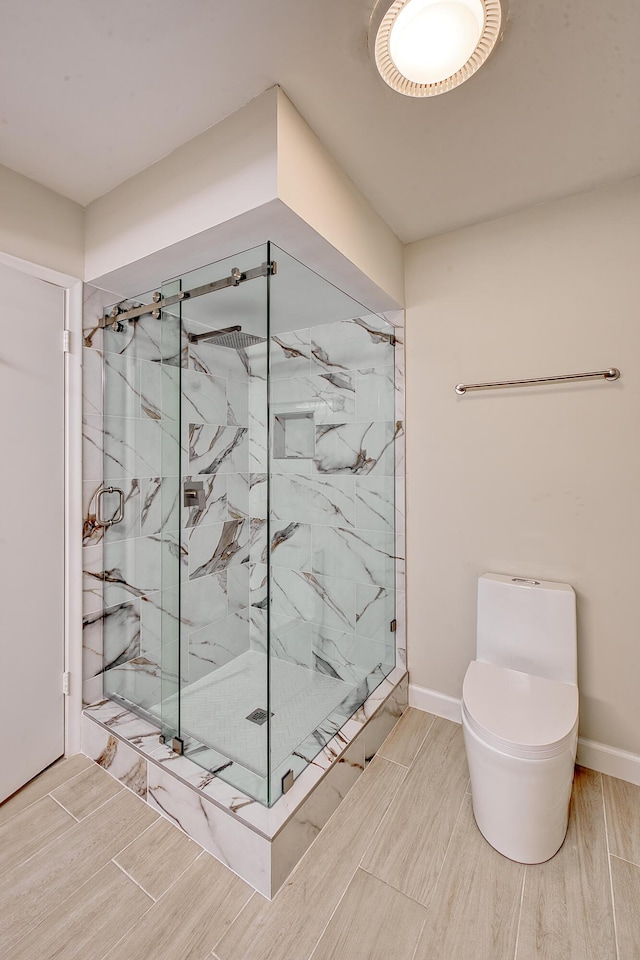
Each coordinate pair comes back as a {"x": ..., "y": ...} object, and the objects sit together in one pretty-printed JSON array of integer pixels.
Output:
[{"x": 248, "y": 517}]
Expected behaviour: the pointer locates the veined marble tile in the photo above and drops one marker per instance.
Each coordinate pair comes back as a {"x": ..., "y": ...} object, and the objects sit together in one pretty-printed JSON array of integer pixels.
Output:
[
  {"x": 258, "y": 583},
  {"x": 353, "y": 704},
  {"x": 91, "y": 645},
  {"x": 347, "y": 656},
  {"x": 375, "y": 503},
  {"x": 242, "y": 850},
  {"x": 94, "y": 302},
  {"x": 215, "y": 509},
  {"x": 151, "y": 388},
  {"x": 382, "y": 723},
  {"x": 138, "y": 681},
  {"x": 204, "y": 601},
  {"x": 92, "y": 690},
  {"x": 91, "y": 382},
  {"x": 352, "y": 344},
  {"x": 291, "y": 640},
  {"x": 362, "y": 556},
  {"x": 238, "y": 496},
  {"x": 401, "y": 629},
  {"x": 206, "y": 357},
  {"x": 204, "y": 398},
  {"x": 217, "y": 449},
  {"x": 327, "y": 601},
  {"x": 121, "y": 386},
  {"x": 257, "y": 433},
  {"x": 92, "y": 579},
  {"x": 329, "y": 397},
  {"x": 159, "y": 505},
  {"x": 375, "y": 609},
  {"x": 217, "y": 546},
  {"x": 114, "y": 756},
  {"x": 291, "y": 546},
  {"x": 217, "y": 644},
  {"x": 92, "y": 448},
  {"x": 237, "y": 403},
  {"x": 137, "y": 448},
  {"x": 146, "y": 338},
  {"x": 136, "y": 567},
  {"x": 121, "y": 633},
  {"x": 399, "y": 451},
  {"x": 355, "y": 448},
  {"x": 258, "y": 487},
  {"x": 375, "y": 394},
  {"x": 290, "y": 354},
  {"x": 238, "y": 578},
  {"x": 314, "y": 500}
]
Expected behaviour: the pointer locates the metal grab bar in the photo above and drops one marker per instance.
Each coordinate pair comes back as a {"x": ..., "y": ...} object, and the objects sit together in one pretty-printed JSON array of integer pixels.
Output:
[{"x": 611, "y": 374}]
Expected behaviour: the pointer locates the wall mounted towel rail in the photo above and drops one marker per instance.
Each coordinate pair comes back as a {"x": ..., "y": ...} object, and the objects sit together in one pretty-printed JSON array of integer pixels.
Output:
[{"x": 611, "y": 374}]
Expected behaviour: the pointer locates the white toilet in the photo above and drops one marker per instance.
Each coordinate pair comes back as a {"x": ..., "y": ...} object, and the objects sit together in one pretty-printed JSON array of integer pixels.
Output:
[{"x": 520, "y": 714}]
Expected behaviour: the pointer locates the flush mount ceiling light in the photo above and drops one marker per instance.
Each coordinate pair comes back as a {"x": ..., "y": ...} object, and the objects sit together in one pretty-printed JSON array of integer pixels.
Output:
[{"x": 426, "y": 47}]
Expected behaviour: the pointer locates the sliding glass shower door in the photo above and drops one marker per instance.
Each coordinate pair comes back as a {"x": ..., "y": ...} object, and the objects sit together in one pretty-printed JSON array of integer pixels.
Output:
[{"x": 249, "y": 477}]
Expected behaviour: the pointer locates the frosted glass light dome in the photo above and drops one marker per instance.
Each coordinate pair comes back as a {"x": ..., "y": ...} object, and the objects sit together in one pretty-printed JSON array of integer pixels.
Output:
[{"x": 426, "y": 47}]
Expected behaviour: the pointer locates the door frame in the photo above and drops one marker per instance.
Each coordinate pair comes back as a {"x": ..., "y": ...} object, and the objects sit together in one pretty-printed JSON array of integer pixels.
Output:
[{"x": 72, "y": 429}]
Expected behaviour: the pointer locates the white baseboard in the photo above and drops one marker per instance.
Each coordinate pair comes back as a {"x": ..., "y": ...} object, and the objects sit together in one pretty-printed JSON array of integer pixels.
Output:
[
  {"x": 433, "y": 702},
  {"x": 609, "y": 760},
  {"x": 596, "y": 756}
]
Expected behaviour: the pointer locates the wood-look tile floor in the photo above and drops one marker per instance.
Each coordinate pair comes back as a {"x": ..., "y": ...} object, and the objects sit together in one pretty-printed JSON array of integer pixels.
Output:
[{"x": 88, "y": 871}]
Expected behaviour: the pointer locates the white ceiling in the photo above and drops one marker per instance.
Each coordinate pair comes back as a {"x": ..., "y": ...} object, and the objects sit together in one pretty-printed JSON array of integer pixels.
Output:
[{"x": 93, "y": 91}]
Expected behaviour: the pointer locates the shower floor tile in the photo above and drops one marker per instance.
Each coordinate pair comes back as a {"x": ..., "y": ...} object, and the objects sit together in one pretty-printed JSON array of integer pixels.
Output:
[{"x": 214, "y": 709}]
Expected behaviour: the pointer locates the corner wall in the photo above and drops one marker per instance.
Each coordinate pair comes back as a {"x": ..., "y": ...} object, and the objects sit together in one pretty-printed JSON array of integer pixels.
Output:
[
  {"x": 539, "y": 482},
  {"x": 40, "y": 226}
]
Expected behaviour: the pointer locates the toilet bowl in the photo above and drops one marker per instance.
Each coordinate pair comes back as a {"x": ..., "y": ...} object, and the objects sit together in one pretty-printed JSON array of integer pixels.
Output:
[{"x": 520, "y": 715}]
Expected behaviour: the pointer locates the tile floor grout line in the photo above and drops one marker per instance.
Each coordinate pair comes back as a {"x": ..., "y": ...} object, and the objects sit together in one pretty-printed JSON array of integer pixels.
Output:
[
  {"x": 29, "y": 805},
  {"x": 446, "y": 853},
  {"x": 419, "y": 748},
  {"x": 395, "y": 889},
  {"x": 133, "y": 880},
  {"x": 333, "y": 912},
  {"x": 614, "y": 856},
  {"x": 55, "y": 800},
  {"x": 230, "y": 927},
  {"x": 606, "y": 837},
  {"x": 524, "y": 880},
  {"x": 138, "y": 837}
]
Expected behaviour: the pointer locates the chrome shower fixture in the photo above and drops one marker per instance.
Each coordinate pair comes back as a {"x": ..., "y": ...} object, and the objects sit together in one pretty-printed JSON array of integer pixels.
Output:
[{"x": 231, "y": 337}]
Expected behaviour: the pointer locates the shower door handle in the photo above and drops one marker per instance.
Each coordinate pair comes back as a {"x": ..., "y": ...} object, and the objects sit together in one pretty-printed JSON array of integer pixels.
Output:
[{"x": 119, "y": 514}]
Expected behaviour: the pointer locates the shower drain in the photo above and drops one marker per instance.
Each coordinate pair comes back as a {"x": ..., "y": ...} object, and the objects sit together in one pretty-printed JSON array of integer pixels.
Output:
[{"x": 258, "y": 715}]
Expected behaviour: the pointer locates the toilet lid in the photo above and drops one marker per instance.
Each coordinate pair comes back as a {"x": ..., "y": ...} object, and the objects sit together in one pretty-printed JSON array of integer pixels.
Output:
[{"x": 518, "y": 713}]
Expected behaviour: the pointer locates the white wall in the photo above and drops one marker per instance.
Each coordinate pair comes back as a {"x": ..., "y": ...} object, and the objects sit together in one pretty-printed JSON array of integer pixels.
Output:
[
  {"x": 541, "y": 482},
  {"x": 226, "y": 171},
  {"x": 311, "y": 183},
  {"x": 40, "y": 226}
]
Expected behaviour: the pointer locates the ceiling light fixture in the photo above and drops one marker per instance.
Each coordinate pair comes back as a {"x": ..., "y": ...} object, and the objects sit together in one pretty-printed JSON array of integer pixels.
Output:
[{"x": 426, "y": 47}]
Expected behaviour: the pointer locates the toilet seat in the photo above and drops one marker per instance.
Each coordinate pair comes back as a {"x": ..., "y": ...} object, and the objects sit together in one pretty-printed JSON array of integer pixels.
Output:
[{"x": 517, "y": 713}]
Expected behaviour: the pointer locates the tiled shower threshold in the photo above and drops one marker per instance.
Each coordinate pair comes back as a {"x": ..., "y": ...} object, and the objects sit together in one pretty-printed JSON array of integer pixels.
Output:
[{"x": 261, "y": 844}]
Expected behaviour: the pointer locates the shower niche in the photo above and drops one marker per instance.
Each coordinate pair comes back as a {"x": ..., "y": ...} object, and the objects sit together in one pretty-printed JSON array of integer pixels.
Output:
[{"x": 247, "y": 521}]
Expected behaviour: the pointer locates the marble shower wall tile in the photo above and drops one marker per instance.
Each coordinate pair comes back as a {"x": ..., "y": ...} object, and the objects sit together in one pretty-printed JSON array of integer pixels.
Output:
[
  {"x": 215, "y": 509},
  {"x": 114, "y": 756},
  {"x": 290, "y": 354},
  {"x": 352, "y": 344},
  {"x": 327, "y": 601},
  {"x": 291, "y": 546},
  {"x": 329, "y": 397},
  {"x": 216, "y": 546},
  {"x": 237, "y": 403},
  {"x": 375, "y": 503},
  {"x": 121, "y": 633},
  {"x": 91, "y": 645},
  {"x": 362, "y": 556},
  {"x": 217, "y": 644},
  {"x": 355, "y": 448},
  {"x": 217, "y": 449},
  {"x": 314, "y": 500}
]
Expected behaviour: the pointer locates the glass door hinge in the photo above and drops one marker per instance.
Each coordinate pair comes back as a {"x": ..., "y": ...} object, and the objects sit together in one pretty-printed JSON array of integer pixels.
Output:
[{"x": 393, "y": 626}]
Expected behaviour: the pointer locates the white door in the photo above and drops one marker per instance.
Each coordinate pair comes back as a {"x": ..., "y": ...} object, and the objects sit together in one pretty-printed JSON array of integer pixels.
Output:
[{"x": 31, "y": 527}]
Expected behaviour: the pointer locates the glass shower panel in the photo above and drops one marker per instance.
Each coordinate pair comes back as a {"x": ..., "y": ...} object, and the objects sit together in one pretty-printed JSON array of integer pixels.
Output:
[
  {"x": 224, "y": 665},
  {"x": 141, "y": 359},
  {"x": 332, "y": 429}
]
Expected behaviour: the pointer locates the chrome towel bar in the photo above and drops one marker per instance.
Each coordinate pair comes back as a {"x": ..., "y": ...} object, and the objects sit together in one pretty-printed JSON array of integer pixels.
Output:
[{"x": 611, "y": 374}]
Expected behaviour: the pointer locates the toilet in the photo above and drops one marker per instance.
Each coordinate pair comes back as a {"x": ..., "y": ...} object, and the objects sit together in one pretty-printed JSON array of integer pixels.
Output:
[{"x": 520, "y": 714}]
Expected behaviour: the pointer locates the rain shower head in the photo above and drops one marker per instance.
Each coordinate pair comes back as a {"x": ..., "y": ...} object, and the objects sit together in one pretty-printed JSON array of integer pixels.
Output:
[{"x": 231, "y": 337}]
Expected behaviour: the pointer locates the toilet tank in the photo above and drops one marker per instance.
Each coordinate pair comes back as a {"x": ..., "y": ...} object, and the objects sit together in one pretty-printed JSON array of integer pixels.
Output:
[{"x": 528, "y": 625}]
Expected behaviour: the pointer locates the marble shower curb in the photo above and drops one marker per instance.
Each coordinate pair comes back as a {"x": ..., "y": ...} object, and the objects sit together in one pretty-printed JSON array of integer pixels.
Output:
[{"x": 260, "y": 844}]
